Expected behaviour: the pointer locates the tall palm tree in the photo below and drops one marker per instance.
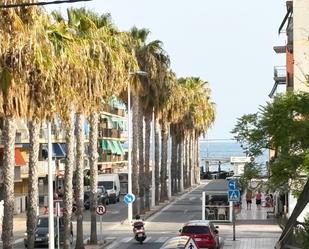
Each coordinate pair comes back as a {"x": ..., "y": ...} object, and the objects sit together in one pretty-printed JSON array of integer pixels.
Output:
[{"x": 79, "y": 198}]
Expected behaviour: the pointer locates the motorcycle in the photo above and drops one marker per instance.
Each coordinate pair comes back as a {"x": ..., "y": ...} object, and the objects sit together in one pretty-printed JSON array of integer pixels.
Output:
[{"x": 139, "y": 231}]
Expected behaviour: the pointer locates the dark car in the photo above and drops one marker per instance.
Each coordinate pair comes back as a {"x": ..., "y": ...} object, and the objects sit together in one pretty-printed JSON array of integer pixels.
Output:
[
  {"x": 204, "y": 233},
  {"x": 102, "y": 197},
  {"x": 41, "y": 232}
]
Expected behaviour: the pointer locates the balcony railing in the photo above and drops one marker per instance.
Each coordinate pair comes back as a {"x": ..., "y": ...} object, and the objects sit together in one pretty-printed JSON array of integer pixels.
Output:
[
  {"x": 107, "y": 157},
  {"x": 280, "y": 74},
  {"x": 110, "y": 133}
]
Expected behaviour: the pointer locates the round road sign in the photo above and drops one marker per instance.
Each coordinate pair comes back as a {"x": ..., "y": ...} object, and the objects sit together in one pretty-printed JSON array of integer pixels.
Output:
[{"x": 101, "y": 209}]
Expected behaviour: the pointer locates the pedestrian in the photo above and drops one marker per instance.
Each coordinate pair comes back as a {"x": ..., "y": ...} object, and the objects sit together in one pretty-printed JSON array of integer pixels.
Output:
[
  {"x": 258, "y": 199},
  {"x": 249, "y": 199}
]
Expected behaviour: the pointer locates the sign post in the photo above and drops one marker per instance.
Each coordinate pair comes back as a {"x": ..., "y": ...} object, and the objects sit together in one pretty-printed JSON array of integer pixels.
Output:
[
  {"x": 203, "y": 205},
  {"x": 191, "y": 244},
  {"x": 234, "y": 196},
  {"x": 58, "y": 214},
  {"x": 101, "y": 210}
]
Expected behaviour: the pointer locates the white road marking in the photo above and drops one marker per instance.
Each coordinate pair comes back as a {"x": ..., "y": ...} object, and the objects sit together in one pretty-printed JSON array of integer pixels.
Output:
[
  {"x": 126, "y": 240},
  {"x": 147, "y": 239},
  {"x": 161, "y": 239},
  {"x": 19, "y": 240},
  {"x": 110, "y": 238}
]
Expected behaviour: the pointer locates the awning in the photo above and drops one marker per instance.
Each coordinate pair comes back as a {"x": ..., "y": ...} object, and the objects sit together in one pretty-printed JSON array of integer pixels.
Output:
[
  {"x": 111, "y": 147},
  {"x": 119, "y": 122},
  {"x": 58, "y": 151},
  {"x": 104, "y": 145},
  {"x": 118, "y": 147},
  {"x": 19, "y": 159}
]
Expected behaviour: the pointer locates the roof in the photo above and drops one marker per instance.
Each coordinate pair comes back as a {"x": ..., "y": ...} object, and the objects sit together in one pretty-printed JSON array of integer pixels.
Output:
[
  {"x": 219, "y": 186},
  {"x": 176, "y": 242},
  {"x": 198, "y": 223}
]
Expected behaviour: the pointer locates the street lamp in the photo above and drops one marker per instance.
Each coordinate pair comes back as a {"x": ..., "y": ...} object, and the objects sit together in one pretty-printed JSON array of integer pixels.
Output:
[{"x": 130, "y": 206}]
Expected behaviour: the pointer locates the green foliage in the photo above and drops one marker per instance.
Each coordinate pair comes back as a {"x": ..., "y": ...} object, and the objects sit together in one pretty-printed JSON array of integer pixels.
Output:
[
  {"x": 302, "y": 233},
  {"x": 283, "y": 126},
  {"x": 251, "y": 171}
]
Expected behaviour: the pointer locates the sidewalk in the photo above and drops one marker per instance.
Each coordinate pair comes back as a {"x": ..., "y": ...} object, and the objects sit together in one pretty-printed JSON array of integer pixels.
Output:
[{"x": 253, "y": 229}]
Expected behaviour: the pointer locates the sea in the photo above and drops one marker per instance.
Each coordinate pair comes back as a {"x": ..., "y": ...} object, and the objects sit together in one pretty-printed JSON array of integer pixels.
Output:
[{"x": 222, "y": 151}]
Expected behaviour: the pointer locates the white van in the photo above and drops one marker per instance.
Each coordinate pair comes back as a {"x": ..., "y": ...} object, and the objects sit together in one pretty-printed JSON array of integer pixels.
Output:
[{"x": 112, "y": 185}]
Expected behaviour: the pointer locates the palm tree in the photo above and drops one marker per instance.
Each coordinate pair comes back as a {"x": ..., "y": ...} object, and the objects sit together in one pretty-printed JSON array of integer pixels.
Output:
[
  {"x": 153, "y": 60},
  {"x": 79, "y": 198}
]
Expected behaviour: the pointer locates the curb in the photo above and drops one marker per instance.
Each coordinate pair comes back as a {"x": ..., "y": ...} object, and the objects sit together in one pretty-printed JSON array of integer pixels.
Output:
[{"x": 99, "y": 246}]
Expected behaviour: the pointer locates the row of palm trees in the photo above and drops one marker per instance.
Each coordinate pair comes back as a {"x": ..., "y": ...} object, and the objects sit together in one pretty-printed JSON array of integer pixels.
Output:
[{"x": 67, "y": 67}]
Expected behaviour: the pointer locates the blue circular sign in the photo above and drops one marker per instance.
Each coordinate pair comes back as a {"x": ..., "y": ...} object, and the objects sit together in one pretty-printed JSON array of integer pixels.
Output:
[{"x": 129, "y": 198}]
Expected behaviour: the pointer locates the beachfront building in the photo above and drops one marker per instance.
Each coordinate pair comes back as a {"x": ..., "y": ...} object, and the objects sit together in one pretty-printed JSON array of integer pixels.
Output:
[{"x": 293, "y": 75}]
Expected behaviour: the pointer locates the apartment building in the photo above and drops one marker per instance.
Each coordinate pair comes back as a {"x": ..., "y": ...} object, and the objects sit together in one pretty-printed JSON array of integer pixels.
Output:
[
  {"x": 294, "y": 74},
  {"x": 112, "y": 156}
]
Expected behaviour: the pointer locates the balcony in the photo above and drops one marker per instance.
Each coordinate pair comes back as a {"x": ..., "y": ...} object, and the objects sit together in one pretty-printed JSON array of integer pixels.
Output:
[
  {"x": 109, "y": 133},
  {"x": 280, "y": 78},
  {"x": 280, "y": 74},
  {"x": 108, "y": 157}
]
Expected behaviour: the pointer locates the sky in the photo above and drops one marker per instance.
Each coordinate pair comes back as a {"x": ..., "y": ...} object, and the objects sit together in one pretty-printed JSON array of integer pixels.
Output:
[{"x": 226, "y": 43}]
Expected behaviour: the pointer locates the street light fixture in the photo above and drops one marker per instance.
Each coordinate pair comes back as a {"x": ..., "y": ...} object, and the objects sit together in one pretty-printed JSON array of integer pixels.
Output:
[{"x": 130, "y": 206}]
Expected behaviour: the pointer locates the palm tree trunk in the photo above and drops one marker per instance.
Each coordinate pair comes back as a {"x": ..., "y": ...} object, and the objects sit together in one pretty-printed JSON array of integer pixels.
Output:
[
  {"x": 8, "y": 181},
  {"x": 79, "y": 179},
  {"x": 164, "y": 139},
  {"x": 185, "y": 166},
  {"x": 148, "y": 118},
  {"x": 180, "y": 166},
  {"x": 68, "y": 181},
  {"x": 190, "y": 158},
  {"x": 198, "y": 161},
  {"x": 157, "y": 160},
  {"x": 93, "y": 149},
  {"x": 33, "y": 191},
  {"x": 141, "y": 158},
  {"x": 174, "y": 160},
  {"x": 135, "y": 152}
]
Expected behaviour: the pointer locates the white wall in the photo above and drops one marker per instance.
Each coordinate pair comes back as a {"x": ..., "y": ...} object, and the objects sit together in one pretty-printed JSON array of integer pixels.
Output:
[
  {"x": 301, "y": 43},
  {"x": 292, "y": 204}
]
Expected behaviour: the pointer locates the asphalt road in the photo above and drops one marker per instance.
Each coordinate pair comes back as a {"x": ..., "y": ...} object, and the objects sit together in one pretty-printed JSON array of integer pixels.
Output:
[{"x": 164, "y": 224}]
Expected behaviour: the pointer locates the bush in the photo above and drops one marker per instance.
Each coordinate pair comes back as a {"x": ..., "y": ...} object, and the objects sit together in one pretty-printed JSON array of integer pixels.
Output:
[{"x": 302, "y": 233}]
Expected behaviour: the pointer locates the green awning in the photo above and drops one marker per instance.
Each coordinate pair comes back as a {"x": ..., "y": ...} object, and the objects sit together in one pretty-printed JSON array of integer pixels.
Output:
[
  {"x": 104, "y": 144},
  {"x": 112, "y": 147},
  {"x": 119, "y": 122},
  {"x": 118, "y": 147}
]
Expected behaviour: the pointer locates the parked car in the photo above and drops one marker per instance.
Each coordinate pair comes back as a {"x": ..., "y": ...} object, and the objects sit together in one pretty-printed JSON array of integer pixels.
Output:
[
  {"x": 41, "y": 232},
  {"x": 102, "y": 197},
  {"x": 204, "y": 233},
  {"x": 178, "y": 242}
]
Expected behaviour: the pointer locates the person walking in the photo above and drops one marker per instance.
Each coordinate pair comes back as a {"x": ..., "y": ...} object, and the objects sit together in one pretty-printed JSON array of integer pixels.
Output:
[
  {"x": 249, "y": 199},
  {"x": 258, "y": 199}
]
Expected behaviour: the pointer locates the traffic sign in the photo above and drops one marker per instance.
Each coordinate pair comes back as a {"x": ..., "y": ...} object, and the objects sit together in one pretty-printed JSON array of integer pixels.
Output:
[
  {"x": 234, "y": 195},
  {"x": 191, "y": 244},
  {"x": 232, "y": 185},
  {"x": 129, "y": 198},
  {"x": 101, "y": 209}
]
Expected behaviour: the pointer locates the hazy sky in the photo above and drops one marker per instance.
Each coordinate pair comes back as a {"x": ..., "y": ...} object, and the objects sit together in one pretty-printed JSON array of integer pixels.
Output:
[{"x": 227, "y": 43}]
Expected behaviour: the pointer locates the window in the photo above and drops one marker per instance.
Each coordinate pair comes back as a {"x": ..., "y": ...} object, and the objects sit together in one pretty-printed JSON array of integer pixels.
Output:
[{"x": 195, "y": 229}]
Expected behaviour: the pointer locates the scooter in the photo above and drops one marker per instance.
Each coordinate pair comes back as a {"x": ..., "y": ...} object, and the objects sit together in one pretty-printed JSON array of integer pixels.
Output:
[{"x": 139, "y": 231}]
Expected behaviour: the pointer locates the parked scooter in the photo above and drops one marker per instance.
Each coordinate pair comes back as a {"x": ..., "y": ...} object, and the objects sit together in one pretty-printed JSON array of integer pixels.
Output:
[{"x": 139, "y": 230}]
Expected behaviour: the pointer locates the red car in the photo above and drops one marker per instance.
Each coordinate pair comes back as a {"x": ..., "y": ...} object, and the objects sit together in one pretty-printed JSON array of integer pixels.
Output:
[{"x": 204, "y": 233}]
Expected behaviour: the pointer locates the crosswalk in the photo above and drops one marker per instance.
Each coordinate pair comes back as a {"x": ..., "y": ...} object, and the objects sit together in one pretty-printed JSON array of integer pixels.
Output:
[{"x": 149, "y": 239}]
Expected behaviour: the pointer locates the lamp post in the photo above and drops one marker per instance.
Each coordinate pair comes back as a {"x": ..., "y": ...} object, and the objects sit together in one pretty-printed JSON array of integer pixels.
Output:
[
  {"x": 51, "y": 244},
  {"x": 130, "y": 205}
]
